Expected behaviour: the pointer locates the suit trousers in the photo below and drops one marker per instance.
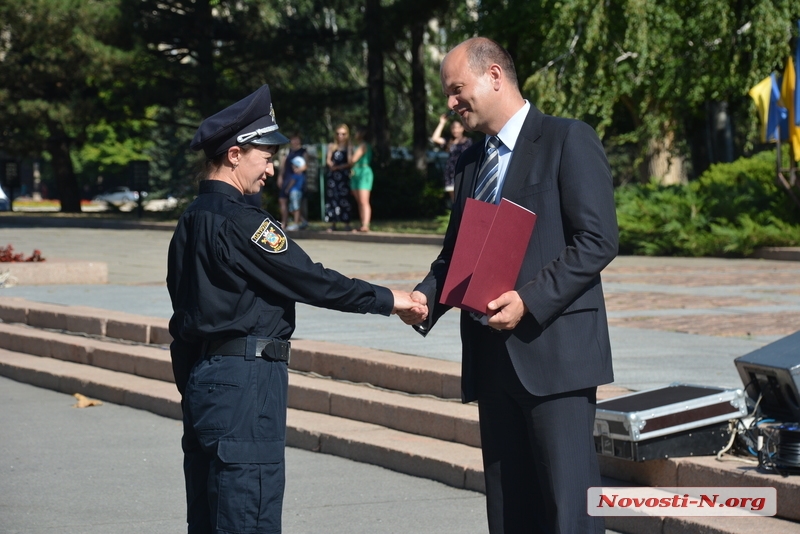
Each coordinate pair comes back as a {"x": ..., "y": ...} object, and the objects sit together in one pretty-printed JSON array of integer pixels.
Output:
[{"x": 538, "y": 453}]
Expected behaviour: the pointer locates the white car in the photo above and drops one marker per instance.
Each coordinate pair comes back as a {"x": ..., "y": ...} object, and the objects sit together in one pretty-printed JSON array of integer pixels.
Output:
[
  {"x": 5, "y": 202},
  {"x": 119, "y": 195}
]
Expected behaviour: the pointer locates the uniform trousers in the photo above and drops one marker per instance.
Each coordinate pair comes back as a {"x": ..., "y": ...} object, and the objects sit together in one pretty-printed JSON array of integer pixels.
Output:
[
  {"x": 234, "y": 420},
  {"x": 538, "y": 453}
]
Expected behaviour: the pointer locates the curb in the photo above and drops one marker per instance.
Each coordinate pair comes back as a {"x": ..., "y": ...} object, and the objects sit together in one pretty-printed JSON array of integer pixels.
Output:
[
  {"x": 52, "y": 272},
  {"x": 82, "y": 221},
  {"x": 778, "y": 253},
  {"x": 39, "y": 221},
  {"x": 370, "y": 237}
]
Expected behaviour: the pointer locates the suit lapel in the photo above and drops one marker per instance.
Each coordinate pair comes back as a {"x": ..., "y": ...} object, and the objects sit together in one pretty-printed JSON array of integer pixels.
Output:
[
  {"x": 470, "y": 173},
  {"x": 524, "y": 155}
]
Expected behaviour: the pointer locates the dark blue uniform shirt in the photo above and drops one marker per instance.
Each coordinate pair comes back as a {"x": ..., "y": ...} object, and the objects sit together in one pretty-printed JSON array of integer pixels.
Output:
[{"x": 232, "y": 272}]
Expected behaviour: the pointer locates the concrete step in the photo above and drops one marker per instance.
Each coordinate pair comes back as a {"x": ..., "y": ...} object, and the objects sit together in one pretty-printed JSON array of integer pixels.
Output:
[
  {"x": 705, "y": 471},
  {"x": 390, "y": 370},
  {"x": 82, "y": 319},
  {"x": 343, "y": 400},
  {"x": 417, "y": 414},
  {"x": 148, "y": 361},
  {"x": 451, "y": 463},
  {"x": 122, "y": 388},
  {"x": 424, "y": 416},
  {"x": 454, "y": 464},
  {"x": 702, "y": 525}
]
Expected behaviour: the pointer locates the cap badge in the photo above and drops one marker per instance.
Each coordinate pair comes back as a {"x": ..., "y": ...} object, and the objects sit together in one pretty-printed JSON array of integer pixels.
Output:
[
  {"x": 270, "y": 237},
  {"x": 272, "y": 113}
]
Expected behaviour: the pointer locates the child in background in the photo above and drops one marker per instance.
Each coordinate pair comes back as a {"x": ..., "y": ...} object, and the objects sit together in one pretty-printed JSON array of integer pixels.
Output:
[{"x": 293, "y": 188}]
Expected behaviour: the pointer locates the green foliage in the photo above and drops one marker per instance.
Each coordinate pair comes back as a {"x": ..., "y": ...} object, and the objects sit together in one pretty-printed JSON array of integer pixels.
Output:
[
  {"x": 109, "y": 149},
  {"x": 731, "y": 210},
  {"x": 642, "y": 70},
  {"x": 60, "y": 68},
  {"x": 659, "y": 220},
  {"x": 402, "y": 192},
  {"x": 746, "y": 187},
  {"x": 57, "y": 68},
  {"x": 442, "y": 221}
]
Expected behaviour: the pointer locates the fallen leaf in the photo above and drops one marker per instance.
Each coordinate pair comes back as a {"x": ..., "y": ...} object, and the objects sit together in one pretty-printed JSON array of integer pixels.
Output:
[{"x": 84, "y": 402}]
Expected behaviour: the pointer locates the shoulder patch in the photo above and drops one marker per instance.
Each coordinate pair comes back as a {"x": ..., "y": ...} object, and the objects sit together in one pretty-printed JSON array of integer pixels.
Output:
[{"x": 270, "y": 237}]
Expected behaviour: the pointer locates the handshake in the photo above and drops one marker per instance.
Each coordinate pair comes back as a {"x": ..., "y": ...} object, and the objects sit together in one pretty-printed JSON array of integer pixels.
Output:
[
  {"x": 504, "y": 313},
  {"x": 412, "y": 308}
]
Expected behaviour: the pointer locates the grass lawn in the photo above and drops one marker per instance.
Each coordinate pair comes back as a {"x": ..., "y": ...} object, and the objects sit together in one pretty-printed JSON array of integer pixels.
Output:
[
  {"x": 419, "y": 226},
  {"x": 422, "y": 226}
]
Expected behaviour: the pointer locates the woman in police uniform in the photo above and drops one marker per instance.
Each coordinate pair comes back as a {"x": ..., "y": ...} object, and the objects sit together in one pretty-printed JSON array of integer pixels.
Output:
[{"x": 234, "y": 277}]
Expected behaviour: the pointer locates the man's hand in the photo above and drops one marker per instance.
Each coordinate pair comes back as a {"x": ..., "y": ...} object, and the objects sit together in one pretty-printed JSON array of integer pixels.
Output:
[
  {"x": 508, "y": 309},
  {"x": 418, "y": 312}
]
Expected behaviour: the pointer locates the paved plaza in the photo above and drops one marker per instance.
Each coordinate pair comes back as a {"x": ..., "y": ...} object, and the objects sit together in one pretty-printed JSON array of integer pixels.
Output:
[
  {"x": 116, "y": 469},
  {"x": 672, "y": 319}
]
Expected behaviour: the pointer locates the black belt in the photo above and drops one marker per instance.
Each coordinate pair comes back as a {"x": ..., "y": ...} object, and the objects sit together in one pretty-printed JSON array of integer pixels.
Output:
[{"x": 267, "y": 348}]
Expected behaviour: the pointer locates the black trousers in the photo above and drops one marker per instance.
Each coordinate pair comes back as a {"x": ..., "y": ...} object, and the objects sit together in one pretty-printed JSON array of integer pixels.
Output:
[
  {"x": 538, "y": 454},
  {"x": 234, "y": 420}
]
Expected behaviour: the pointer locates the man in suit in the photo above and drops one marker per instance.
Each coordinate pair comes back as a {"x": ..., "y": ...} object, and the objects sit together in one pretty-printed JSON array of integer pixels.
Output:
[{"x": 534, "y": 365}]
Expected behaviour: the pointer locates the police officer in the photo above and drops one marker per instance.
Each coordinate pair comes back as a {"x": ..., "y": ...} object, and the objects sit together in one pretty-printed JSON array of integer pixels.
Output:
[{"x": 234, "y": 277}]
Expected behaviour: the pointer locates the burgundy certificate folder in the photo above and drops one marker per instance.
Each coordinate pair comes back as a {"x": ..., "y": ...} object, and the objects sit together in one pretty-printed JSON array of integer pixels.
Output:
[{"x": 491, "y": 244}]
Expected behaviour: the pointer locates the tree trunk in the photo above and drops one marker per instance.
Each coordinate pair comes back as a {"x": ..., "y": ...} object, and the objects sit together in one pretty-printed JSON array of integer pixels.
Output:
[
  {"x": 375, "y": 81},
  {"x": 663, "y": 163},
  {"x": 59, "y": 148},
  {"x": 419, "y": 96},
  {"x": 207, "y": 97}
]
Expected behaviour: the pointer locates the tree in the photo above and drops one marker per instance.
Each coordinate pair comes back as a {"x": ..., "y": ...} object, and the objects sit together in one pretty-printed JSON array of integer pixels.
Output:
[
  {"x": 373, "y": 21},
  {"x": 59, "y": 67},
  {"x": 641, "y": 72}
]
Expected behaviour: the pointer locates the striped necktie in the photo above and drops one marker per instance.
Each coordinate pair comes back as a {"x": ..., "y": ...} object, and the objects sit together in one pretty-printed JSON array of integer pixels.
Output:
[{"x": 489, "y": 174}]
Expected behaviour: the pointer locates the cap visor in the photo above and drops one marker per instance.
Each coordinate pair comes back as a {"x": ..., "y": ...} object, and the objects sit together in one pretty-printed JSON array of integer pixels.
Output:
[{"x": 271, "y": 138}]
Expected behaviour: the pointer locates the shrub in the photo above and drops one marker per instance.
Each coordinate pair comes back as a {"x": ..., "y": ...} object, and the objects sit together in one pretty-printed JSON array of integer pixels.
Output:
[
  {"x": 745, "y": 187},
  {"x": 732, "y": 209},
  {"x": 400, "y": 191}
]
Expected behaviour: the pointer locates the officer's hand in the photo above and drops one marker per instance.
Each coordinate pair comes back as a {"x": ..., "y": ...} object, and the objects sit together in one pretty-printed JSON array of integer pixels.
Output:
[
  {"x": 411, "y": 308},
  {"x": 508, "y": 309}
]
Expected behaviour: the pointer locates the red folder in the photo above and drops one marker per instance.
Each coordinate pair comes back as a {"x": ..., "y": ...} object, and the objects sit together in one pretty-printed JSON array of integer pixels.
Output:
[{"x": 491, "y": 244}]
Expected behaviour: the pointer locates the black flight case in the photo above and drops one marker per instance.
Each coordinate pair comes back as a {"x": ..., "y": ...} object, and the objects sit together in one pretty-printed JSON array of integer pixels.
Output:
[{"x": 668, "y": 422}]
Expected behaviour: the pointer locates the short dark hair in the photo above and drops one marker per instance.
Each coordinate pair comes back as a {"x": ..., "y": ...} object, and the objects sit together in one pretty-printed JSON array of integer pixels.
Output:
[
  {"x": 363, "y": 133},
  {"x": 210, "y": 165},
  {"x": 483, "y": 52}
]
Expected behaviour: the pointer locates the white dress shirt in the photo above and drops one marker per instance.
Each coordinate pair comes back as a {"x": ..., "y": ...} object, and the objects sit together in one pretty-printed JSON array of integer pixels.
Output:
[{"x": 508, "y": 135}]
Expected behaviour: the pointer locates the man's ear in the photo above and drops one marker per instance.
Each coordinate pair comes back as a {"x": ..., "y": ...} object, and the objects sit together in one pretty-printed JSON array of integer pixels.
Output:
[{"x": 496, "y": 75}]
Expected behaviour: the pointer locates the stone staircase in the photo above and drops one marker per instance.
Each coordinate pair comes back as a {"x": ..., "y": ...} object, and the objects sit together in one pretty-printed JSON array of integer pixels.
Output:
[{"x": 398, "y": 411}]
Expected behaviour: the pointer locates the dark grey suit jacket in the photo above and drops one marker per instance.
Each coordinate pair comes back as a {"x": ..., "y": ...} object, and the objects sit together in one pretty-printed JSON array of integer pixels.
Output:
[{"x": 559, "y": 171}]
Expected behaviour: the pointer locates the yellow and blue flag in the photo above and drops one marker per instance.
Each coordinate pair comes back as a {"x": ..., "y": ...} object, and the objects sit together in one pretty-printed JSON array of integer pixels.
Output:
[
  {"x": 788, "y": 90},
  {"x": 797, "y": 77},
  {"x": 774, "y": 117}
]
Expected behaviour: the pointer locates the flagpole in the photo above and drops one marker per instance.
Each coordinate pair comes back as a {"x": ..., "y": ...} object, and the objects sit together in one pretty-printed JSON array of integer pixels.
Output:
[{"x": 781, "y": 179}]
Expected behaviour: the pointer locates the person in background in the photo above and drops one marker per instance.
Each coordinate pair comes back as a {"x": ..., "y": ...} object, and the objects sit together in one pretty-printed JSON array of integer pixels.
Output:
[
  {"x": 337, "y": 182},
  {"x": 294, "y": 184},
  {"x": 296, "y": 149},
  {"x": 234, "y": 279},
  {"x": 455, "y": 145},
  {"x": 361, "y": 176}
]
